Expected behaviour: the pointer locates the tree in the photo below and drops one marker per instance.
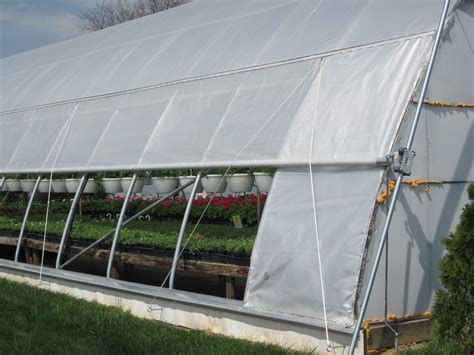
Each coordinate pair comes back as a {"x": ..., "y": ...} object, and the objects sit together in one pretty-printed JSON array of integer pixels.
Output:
[
  {"x": 108, "y": 13},
  {"x": 453, "y": 311}
]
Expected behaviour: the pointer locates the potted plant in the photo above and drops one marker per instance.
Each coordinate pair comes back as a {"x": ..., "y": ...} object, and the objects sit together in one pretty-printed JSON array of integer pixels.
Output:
[
  {"x": 59, "y": 185},
  {"x": 184, "y": 179},
  {"x": 5, "y": 186},
  {"x": 92, "y": 187},
  {"x": 240, "y": 180},
  {"x": 264, "y": 178},
  {"x": 72, "y": 183},
  {"x": 43, "y": 186},
  {"x": 163, "y": 181},
  {"x": 27, "y": 183},
  {"x": 112, "y": 182},
  {"x": 214, "y": 182},
  {"x": 14, "y": 185},
  {"x": 126, "y": 181}
]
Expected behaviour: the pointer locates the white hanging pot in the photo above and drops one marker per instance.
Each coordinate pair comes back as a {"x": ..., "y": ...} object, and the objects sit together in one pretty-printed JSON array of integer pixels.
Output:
[
  {"x": 164, "y": 185},
  {"x": 240, "y": 182},
  {"x": 59, "y": 186},
  {"x": 91, "y": 187},
  {"x": 263, "y": 181},
  {"x": 43, "y": 186},
  {"x": 27, "y": 185},
  {"x": 127, "y": 181},
  {"x": 185, "y": 179},
  {"x": 5, "y": 186},
  {"x": 13, "y": 185},
  {"x": 72, "y": 185},
  {"x": 214, "y": 183},
  {"x": 112, "y": 185}
]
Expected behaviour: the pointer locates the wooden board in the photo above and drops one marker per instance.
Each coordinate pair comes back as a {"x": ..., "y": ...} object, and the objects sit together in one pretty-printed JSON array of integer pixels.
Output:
[
  {"x": 410, "y": 331},
  {"x": 206, "y": 267}
]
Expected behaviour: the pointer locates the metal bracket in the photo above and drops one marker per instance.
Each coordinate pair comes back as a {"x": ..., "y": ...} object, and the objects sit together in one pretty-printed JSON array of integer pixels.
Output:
[{"x": 403, "y": 162}]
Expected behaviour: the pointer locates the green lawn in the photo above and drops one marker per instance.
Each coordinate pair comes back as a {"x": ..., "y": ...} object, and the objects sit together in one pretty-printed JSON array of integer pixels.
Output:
[
  {"x": 34, "y": 321},
  {"x": 220, "y": 238}
]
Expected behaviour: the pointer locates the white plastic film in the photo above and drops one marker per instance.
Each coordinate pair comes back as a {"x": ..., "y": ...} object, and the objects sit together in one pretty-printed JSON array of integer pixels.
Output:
[
  {"x": 253, "y": 117},
  {"x": 284, "y": 271}
]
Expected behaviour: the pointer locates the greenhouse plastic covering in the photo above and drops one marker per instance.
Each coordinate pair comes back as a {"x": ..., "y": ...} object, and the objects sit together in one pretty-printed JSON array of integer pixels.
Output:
[
  {"x": 217, "y": 83},
  {"x": 234, "y": 83},
  {"x": 284, "y": 272}
]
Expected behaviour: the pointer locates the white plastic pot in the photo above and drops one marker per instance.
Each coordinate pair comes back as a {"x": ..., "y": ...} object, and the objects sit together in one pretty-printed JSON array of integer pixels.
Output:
[
  {"x": 13, "y": 185},
  {"x": 43, "y": 186},
  {"x": 72, "y": 185},
  {"x": 5, "y": 186},
  {"x": 214, "y": 183},
  {"x": 59, "y": 186},
  {"x": 263, "y": 181},
  {"x": 126, "y": 182},
  {"x": 185, "y": 179},
  {"x": 240, "y": 182},
  {"x": 112, "y": 185},
  {"x": 27, "y": 185},
  {"x": 91, "y": 187},
  {"x": 164, "y": 185}
]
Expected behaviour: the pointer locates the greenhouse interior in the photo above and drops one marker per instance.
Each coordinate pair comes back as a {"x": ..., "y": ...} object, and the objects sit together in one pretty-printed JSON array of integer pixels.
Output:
[{"x": 235, "y": 166}]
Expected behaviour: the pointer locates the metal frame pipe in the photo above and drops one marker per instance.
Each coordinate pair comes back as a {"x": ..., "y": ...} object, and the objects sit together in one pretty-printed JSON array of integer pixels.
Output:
[
  {"x": 119, "y": 225},
  {"x": 128, "y": 221},
  {"x": 399, "y": 179},
  {"x": 2, "y": 183},
  {"x": 25, "y": 218},
  {"x": 70, "y": 218},
  {"x": 187, "y": 212}
]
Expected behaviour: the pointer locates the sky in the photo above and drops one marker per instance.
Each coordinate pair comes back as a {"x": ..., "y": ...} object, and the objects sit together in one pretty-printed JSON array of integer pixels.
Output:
[{"x": 29, "y": 24}]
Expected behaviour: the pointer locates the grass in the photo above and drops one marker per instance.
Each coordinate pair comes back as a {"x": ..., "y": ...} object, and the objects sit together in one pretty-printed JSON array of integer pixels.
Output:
[
  {"x": 434, "y": 348},
  {"x": 40, "y": 322},
  {"x": 216, "y": 238}
]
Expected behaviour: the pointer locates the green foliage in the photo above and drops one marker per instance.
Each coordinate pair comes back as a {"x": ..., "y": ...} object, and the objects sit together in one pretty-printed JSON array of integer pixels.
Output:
[
  {"x": 453, "y": 311},
  {"x": 435, "y": 348},
  {"x": 35, "y": 321},
  {"x": 211, "y": 238}
]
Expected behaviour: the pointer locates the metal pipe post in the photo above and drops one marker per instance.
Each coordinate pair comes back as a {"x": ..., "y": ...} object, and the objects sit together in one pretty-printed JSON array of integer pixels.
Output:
[
  {"x": 128, "y": 221},
  {"x": 25, "y": 218},
  {"x": 70, "y": 218},
  {"x": 398, "y": 183},
  {"x": 119, "y": 225},
  {"x": 2, "y": 183},
  {"x": 187, "y": 212}
]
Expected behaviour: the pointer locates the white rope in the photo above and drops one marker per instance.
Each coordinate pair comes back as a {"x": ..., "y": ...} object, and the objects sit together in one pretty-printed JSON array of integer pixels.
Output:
[
  {"x": 58, "y": 153},
  {"x": 329, "y": 346}
]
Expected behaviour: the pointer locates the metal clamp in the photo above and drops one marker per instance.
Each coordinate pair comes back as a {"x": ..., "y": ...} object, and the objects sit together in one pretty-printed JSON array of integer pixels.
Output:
[{"x": 403, "y": 162}]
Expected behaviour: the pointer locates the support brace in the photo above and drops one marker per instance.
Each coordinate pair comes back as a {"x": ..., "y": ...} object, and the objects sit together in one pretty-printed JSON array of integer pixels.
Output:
[
  {"x": 128, "y": 221},
  {"x": 404, "y": 167},
  {"x": 187, "y": 212},
  {"x": 25, "y": 218},
  {"x": 70, "y": 218},
  {"x": 119, "y": 225}
]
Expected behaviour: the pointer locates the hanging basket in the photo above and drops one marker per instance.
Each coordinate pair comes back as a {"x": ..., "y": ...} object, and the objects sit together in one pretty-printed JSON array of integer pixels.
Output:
[
  {"x": 164, "y": 185},
  {"x": 213, "y": 183},
  {"x": 263, "y": 181},
  {"x": 112, "y": 185},
  {"x": 127, "y": 181},
  {"x": 240, "y": 182},
  {"x": 27, "y": 185}
]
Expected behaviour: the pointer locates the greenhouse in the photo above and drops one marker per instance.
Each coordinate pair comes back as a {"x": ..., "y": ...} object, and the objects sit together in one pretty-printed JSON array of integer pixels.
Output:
[{"x": 307, "y": 156}]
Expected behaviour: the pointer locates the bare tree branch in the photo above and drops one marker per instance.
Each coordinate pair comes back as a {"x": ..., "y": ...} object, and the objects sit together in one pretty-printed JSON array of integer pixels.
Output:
[{"x": 108, "y": 13}]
